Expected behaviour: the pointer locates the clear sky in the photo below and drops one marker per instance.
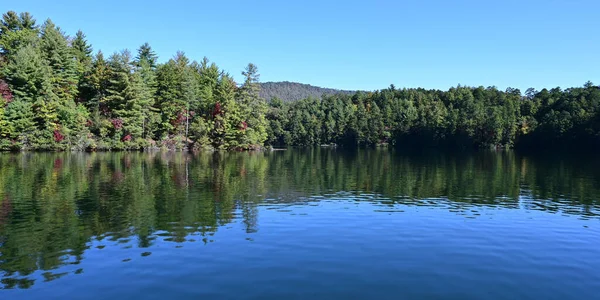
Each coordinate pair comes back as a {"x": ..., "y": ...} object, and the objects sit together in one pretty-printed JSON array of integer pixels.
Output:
[{"x": 350, "y": 44}]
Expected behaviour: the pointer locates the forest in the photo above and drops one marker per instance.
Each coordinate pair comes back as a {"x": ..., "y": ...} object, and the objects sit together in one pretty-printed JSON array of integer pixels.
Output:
[
  {"x": 294, "y": 91},
  {"x": 56, "y": 93}
]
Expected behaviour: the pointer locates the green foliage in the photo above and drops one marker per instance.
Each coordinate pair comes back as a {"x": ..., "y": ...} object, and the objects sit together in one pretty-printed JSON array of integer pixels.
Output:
[
  {"x": 28, "y": 75},
  {"x": 145, "y": 69},
  {"x": 82, "y": 52},
  {"x": 293, "y": 91},
  {"x": 253, "y": 128},
  {"x": 19, "y": 120},
  {"x": 16, "y": 32},
  {"x": 146, "y": 56},
  {"x": 61, "y": 60},
  {"x": 57, "y": 95},
  {"x": 123, "y": 101},
  {"x": 462, "y": 117}
]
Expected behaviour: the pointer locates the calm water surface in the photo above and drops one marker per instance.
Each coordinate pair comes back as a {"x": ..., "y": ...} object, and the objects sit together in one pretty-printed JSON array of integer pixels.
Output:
[{"x": 299, "y": 224}]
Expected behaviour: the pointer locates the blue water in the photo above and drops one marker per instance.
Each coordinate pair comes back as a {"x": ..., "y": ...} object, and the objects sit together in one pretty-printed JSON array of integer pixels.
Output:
[{"x": 298, "y": 225}]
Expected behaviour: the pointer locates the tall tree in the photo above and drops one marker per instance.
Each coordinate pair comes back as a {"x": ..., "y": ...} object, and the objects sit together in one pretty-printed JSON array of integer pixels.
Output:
[
  {"x": 176, "y": 89},
  {"x": 145, "y": 66},
  {"x": 16, "y": 31},
  {"x": 82, "y": 51},
  {"x": 228, "y": 115},
  {"x": 253, "y": 107},
  {"x": 55, "y": 50},
  {"x": 146, "y": 54},
  {"x": 30, "y": 80},
  {"x": 123, "y": 100}
]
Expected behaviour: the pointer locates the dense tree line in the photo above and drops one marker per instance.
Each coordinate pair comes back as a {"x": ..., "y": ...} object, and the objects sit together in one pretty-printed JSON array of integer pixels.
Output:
[
  {"x": 294, "y": 91},
  {"x": 56, "y": 94},
  {"x": 463, "y": 117}
]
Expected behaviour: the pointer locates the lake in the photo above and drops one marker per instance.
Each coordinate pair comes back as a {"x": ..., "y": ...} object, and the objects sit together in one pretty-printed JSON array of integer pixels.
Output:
[{"x": 299, "y": 224}]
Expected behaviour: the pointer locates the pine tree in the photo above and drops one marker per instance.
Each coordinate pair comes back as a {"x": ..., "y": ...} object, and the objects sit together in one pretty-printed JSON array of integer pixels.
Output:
[
  {"x": 276, "y": 118},
  {"x": 208, "y": 78},
  {"x": 94, "y": 87},
  {"x": 254, "y": 108},
  {"x": 20, "y": 122},
  {"x": 228, "y": 115},
  {"x": 5, "y": 130},
  {"x": 16, "y": 32},
  {"x": 208, "y": 105},
  {"x": 55, "y": 50},
  {"x": 83, "y": 54},
  {"x": 190, "y": 95},
  {"x": 29, "y": 79},
  {"x": 146, "y": 55},
  {"x": 145, "y": 68},
  {"x": 375, "y": 126},
  {"x": 123, "y": 101},
  {"x": 64, "y": 79},
  {"x": 175, "y": 91},
  {"x": 28, "y": 75}
]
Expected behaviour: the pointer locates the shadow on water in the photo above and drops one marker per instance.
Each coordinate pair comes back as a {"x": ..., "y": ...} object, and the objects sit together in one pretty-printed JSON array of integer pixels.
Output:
[{"x": 56, "y": 206}]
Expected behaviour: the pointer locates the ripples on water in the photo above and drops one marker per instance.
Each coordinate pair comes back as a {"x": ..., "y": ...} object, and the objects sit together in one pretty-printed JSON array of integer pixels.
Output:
[{"x": 299, "y": 224}]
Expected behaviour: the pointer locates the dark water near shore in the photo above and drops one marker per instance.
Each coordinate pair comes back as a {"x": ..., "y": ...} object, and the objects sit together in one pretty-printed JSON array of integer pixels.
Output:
[{"x": 299, "y": 224}]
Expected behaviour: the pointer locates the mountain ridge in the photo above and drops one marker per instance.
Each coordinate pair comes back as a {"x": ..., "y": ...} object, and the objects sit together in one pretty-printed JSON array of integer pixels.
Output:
[{"x": 293, "y": 91}]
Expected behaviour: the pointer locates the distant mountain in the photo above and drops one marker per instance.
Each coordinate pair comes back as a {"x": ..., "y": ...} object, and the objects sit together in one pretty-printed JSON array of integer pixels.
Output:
[{"x": 293, "y": 91}]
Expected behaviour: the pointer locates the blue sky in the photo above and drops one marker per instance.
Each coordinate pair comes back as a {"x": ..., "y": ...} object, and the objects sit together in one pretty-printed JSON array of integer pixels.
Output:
[{"x": 349, "y": 44}]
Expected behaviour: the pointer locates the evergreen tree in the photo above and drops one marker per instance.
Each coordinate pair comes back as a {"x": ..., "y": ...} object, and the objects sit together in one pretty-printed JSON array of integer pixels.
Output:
[
  {"x": 55, "y": 50},
  {"x": 83, "y": 54},
  {"x": 229, "y": 118},
  {"x": 95, "y": 84},
  {"x": 55, "y": 95},
  {"x": 123, "y": 102},
  {"x": 254, "y": 126},
  {"x": 16, "y": 32},
  {"x": 170, "y": 96},
  {"x": 145, "y": 67},
  {"x": 276, "y": 118},
  {"x": 30, "y": 80},
  {"x": 146, "y": 55}
]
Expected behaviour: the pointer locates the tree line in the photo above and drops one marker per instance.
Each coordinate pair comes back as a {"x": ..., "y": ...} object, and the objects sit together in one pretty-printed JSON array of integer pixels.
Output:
[
  {"x": 57, "y": 94},
  {"x": 294, "y": 91},
  {"x": 462, "y": 117}
]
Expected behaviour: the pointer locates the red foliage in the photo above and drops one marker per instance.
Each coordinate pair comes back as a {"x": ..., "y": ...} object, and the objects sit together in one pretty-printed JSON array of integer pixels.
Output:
[
  {"x": 5, "y": 91},
  {"x": 104, "y": 110},
  {"x": 180, "y": 118},
  {"x": 117, "y": 123},
  {"x": 217, "y": 110},
  {"x": 58, "y": 137},
  {"x": 58, "y": 164},
  {"x": 243, "y": 125},
  {"x": 127, "y": 138},
  {"x": 117, "y": 176},
  {"x": 89, "y": 123}
]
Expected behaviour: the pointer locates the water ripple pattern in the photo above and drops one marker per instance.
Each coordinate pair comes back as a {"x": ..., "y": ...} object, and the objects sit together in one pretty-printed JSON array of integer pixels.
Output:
[{"x": 299, "y": 224}]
